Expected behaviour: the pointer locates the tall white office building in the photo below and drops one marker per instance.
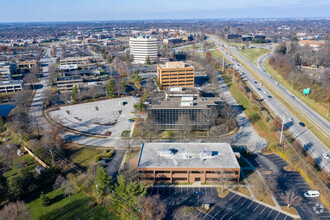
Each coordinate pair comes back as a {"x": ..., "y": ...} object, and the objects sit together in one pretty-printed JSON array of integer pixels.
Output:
[{"x": 142, "y": 47}]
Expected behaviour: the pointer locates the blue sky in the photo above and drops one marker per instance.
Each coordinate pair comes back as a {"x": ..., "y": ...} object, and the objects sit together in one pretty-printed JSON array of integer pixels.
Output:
[{"x": 92, "y": 10}]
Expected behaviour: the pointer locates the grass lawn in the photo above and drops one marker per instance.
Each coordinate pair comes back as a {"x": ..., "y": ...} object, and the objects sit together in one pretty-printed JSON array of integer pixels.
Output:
[
  {"x": 73, "y": 207},
  {"x": 291, "y": 210},
  {"x": 318, "y": 107},
  {"x": 253, "y": 54},
  {"x": 243, "y": 190},
  {"x": 31, "y": 165},
  {"x": 224, "y": 193},
  {"x": 266, "y": 198},
  {"x": 84, "y": 156}
]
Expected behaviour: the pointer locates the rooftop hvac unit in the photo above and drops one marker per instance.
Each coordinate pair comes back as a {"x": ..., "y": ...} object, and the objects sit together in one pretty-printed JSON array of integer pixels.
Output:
[
  {"x": 187, "y": 103},
  {"x": 176, "y": 89},
  {"x": 187, "y": 98}
]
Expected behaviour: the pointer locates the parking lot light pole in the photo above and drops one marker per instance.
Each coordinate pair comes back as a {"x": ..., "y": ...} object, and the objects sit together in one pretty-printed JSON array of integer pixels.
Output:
[{"x": 282, "y": 130}]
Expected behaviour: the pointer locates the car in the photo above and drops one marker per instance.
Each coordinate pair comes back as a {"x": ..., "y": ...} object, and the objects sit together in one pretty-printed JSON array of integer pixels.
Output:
[
  {"x": 255, "y": 82},
  {"x": 259, "y": 89},
  {"x": 260, "y": 84},
  {"x": 290, "y": 119},
  {"x": 265, "y": 92},
  {"x": 326, "y": 156},
  {"x": 270, "y": 96},
  {"x": 302, "y": 124},
  {"x": 276, "y": 83},
  {"x": 293, "y": 97},
  {"x": 312, "y": 193}
]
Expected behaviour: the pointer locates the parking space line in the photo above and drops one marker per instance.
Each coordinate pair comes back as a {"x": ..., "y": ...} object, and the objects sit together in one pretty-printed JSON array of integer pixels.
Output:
[
  {"x": 250, "y": 204},
  {"x": 262, "y": 211},
  {"x": 237, "y": 199},
  {"x": 269, "y": 213},
  {"x": 244, "y": 202},
  {"x": 157, "y": 190},
  {"x": 232, "y": 196},
  {"x": 187, "y": 191},
  {"x": 206, "y": 190},
  {"x": 276, "y": 216},
  {"x": 216, "y": 213},
  {"x": 285, "y": 217},
  {"x": 256, "y": 207}
]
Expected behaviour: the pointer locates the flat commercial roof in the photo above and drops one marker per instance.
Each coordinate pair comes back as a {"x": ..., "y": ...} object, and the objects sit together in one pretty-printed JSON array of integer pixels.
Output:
[
  {"x": 11, "y": 82},
  {"x": 187, "y": 155},
  {"x": 175, "y": 102},
  {"x": 65, "y": 78}
]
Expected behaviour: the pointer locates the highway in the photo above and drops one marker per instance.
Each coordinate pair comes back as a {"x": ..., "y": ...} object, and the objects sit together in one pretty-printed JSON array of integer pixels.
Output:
[{"x": 312, "y": 145}]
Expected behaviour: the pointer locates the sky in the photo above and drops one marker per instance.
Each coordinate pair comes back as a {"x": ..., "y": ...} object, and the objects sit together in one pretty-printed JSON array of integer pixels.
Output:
[{"x": 100, "y": 10}]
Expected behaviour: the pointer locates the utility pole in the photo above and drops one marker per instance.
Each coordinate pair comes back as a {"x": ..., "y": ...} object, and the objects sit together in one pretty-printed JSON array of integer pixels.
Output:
[
  {"x": 282, "y": 130},
  {"x": 327, "y": 112},
  {"x": 223, "y": 64}
]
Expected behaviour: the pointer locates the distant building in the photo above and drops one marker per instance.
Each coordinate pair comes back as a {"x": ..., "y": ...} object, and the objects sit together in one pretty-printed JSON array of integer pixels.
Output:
[
  {"x": 179, "y": 92},
  {"x": 314, "y": 44},
  {"x": 187, "y": 162},
  {"x": 175, "y": 74},
  {"x": 143, "y": 47},
  {"x": 27, "y": 65},
  {"x": 193, "y": 110},
  {"x": 68, "y": 67},
  {"x": 233, "y": 36},
  {"x": 68, "y": 82},
  {"x": 76, "y": 61},
  {"x": 247, "y": 37},
  {"x": 6, "y": 70},
  {"x": 11, "y": 86}
]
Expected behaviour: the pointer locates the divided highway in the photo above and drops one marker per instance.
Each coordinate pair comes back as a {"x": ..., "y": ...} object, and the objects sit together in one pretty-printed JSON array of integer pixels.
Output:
[{"x": 312, "y": 145}]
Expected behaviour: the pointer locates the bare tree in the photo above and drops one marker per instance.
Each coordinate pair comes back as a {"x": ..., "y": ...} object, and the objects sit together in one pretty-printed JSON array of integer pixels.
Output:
[
  {"x": 15, "y": 211},
  {"x": 52, "y": 73},
  {"x": 58, "y": 182},
  {"x": 291, "y": 198},
  {"x": 92, "y": 92},
  {"x": 31, "y": 78},
  {"x": 216, "y": 131},
  {"x": 22, "y": 101},
  {"x": 184, "y": 213},
  {"x": 185, "y": 126},
  {"x": 49, "y": 96},
  {"x": 147, "y": 128},
  {"x": 154, "y": 207},
  {"x": 80, "y": 96},
  {"x": 65, "y": 97},
  {"x": 119, "y": 88},
  {"x": 7, "y": 154}
]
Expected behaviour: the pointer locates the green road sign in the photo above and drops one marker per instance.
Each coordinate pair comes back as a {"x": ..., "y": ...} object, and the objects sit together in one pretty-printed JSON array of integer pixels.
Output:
[{"x": 306, "y": 91}]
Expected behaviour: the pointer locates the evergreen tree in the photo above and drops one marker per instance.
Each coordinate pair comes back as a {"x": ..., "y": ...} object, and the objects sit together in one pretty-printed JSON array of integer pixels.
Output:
[
  {"x": 111, "y": 88},
  {"x": 74, "y": 92},
  {"x": 102, "y": 182},
  {"x": 147, "y": 61}
]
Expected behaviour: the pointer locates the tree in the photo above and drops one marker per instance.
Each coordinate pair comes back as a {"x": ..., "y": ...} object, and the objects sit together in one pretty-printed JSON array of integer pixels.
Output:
[
  {"x": 48, "y": 96},
  {"x": 80, "y": 96},
  {"x": 111, "y": 88},
  {"x": 31, "y": 78},
  {"x": 120, "y": 89},
  {"x": 45, "y": 201},
  {"x": 184, "y": 213},
  {"x": 103, "y": 181},
  {"x": 291, "y": 198},
  {"x": 52, "y": 73},
  {"x": 65, "y": 97},
  {"x": 153, "y": 206},
  {"x": 185, "y": 127},
  {"x": 22, "y": 184},
  {"x": 92, "y": 92},
  {"x": 147, "y": 128},
  {"x": 15, "y": 211},
  {"x": 147, "y": 61},
  {"x": 74, "y": 92}
]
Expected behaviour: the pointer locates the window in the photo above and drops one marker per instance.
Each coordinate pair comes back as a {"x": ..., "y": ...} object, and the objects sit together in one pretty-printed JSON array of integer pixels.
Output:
[
  {"x": 196, "y": 171},
  {"x": 214, "y": 172},
  {"x": 146, "y": 171},
  {"x": 162, "y": 172},
  {"x": 211, "y": 179},
  {"x": 175, "y": 172},
  {"x": 179, "y": 179}
]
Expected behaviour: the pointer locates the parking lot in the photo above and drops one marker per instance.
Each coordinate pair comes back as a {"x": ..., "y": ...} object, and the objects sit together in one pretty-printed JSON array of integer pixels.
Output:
[
  {"x": 310, "y": 208},
  {"x": 232, "y": 206}
]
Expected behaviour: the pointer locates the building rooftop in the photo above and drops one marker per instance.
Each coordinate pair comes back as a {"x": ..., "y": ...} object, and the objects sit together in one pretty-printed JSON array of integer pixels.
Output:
[
  {"x": 68, "y": 78},
  {"x": 11, "y": 82},
  {"x": 174, "y": 65},
  {"x": 177, "y": 102},
  {"x": 187, "y": 155},
  {"x": 182, "y": 91}
]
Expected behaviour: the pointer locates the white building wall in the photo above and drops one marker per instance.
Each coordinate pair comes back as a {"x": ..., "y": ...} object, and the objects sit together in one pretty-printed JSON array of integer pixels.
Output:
[{"x": 143, "y": 47}]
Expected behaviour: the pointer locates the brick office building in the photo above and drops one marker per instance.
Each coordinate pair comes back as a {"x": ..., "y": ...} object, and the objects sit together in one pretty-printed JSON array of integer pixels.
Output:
[
  {"x": 175, "y": 74},
  {"x": 187, "y": 162}
]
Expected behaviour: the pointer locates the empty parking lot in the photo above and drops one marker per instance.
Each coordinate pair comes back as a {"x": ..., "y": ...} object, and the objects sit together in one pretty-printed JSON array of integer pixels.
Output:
[{"x": 232, "y": 206}]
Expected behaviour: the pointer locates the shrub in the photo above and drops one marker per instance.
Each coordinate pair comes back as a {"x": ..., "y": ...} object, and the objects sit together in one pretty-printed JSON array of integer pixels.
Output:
[{"x": 45, "y": 201}]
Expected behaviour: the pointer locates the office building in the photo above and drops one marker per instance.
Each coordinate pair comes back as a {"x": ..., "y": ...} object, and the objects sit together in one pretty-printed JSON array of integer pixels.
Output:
[
  {"x": 143, "y": 47},
  {"x": 6, "y": 70},
  {"x": 68, "y": 82},
  {"x": 80, "y": 61},
  {"x": 11, "y": 86},
  {"x": 176, "y": 113},
  {"x": 26, "y": 65},
  {"x": 187, "y": 162},
  {"x": 175, "y": 74}
]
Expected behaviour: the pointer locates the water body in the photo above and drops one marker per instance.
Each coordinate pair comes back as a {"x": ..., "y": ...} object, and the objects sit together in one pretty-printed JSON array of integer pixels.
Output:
[{"x": 5, "y": 109}]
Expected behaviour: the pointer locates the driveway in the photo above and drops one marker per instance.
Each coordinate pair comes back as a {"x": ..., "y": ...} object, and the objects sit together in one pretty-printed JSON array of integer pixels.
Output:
[
  {"x": 113, "y": 165},
  {"x": 310, "y": 208},
  {"x": 232, "y": 206}
]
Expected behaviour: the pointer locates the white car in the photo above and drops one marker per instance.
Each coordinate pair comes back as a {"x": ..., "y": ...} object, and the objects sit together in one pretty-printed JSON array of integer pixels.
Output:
[
  {"x": 265, "y": 92},
  {"x": 326, "y": 156},
  {"x": 312, "y": 193}
]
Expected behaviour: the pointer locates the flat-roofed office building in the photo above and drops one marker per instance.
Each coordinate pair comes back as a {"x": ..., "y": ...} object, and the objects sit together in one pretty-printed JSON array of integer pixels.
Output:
[
  {"x": 6, "y": 70},
  {"x": 11, "y": 86},
  {"x": 175, "y": 74},
  {"x": 68, "y": 82},
  {"x": 177, "y": 113},
  {"x": 143, "y": 47},
  {"x": 187, "y": 162}
]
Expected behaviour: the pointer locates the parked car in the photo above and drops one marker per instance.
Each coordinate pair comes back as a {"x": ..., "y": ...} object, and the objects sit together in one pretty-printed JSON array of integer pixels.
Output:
[
  {"x": 326, "y": 156},
  {"x": 312, "y": 193},
  {"x": 259, "y": 89},
  {"x": 301, "y": 124}
]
